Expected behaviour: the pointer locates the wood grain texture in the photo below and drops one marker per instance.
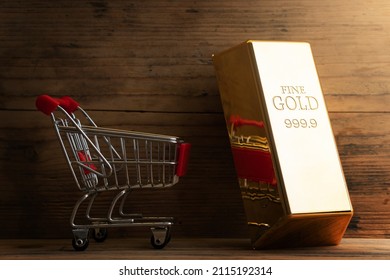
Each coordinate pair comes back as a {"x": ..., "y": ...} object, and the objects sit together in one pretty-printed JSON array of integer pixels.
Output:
[
  {"x": 189, "y": 249},
  {"x": 146, "y": 65}
]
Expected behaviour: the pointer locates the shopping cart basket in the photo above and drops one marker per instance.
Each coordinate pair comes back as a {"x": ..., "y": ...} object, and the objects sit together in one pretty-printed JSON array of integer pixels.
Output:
[{"x": 104, "y": 159}]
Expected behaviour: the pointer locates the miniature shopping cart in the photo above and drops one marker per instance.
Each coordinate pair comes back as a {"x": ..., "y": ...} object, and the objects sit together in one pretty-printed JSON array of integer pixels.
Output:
[{"x": 103, "y": 159}]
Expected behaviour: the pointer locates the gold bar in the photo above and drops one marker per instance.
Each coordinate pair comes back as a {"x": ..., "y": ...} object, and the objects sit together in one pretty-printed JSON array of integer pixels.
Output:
[{"x": 285, "y": 154}]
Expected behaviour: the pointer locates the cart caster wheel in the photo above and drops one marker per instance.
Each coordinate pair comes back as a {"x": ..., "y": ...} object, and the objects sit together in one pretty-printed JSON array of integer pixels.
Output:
[
  {"x": 100, "y": 234},
  {"x": 80, "y": 244},
  {"x": 157, "y": 244},
  {"x": 160, "y": 237}
]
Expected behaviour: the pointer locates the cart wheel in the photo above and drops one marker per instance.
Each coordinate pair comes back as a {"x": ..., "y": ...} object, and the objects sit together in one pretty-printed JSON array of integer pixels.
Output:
[
  {"x": 160, "y": 237},
  {"x": 100, "y": 234},
  {"x": 80, "y": 244}
]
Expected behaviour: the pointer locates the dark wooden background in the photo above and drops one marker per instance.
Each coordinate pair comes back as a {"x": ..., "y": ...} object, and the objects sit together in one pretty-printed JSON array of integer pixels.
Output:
[{"x": 146, "y": 65}]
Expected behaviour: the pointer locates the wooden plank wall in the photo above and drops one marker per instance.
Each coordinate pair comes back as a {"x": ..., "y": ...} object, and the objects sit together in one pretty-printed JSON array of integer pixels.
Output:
[{"x": 146, "y": 65}]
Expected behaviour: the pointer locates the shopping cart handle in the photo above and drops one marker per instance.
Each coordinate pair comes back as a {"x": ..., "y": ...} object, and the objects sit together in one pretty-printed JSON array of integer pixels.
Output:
[
  {"x": 47, "y": 104},
  {"x": 69, "y": 104},
  {"x": 237, "y": 121},
  {"x": 182, "y": 163}
]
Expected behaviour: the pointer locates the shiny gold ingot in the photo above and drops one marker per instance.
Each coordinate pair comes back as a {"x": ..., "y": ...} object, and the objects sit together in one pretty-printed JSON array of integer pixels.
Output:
[{"x": 276, "y": 83}]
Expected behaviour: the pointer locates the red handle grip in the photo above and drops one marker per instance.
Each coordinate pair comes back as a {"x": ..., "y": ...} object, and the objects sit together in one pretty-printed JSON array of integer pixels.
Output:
[
  {"x": 69, "y": 104},
  {"x": 47, "y": 104},
  {"x": 184, "y": 154},
  {"x": 237, "y": 121}
]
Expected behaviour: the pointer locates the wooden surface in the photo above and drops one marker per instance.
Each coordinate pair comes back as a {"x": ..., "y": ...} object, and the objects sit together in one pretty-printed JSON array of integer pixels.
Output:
[
  {"x": 146, "y": 65},
  {"x": 189, "y": 249}
]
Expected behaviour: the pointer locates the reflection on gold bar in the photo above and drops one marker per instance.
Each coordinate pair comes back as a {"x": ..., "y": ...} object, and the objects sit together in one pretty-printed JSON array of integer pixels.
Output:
[{"x": 285, "y": 155}]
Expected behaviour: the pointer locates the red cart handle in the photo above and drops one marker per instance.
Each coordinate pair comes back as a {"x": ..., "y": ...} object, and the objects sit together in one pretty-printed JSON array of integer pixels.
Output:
[
  {"x": 182, "y": 163},
  {"x": 69, "y": 104},
  {"x": 47, "y": 104},
  {"x": 237, "y": 121}
]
